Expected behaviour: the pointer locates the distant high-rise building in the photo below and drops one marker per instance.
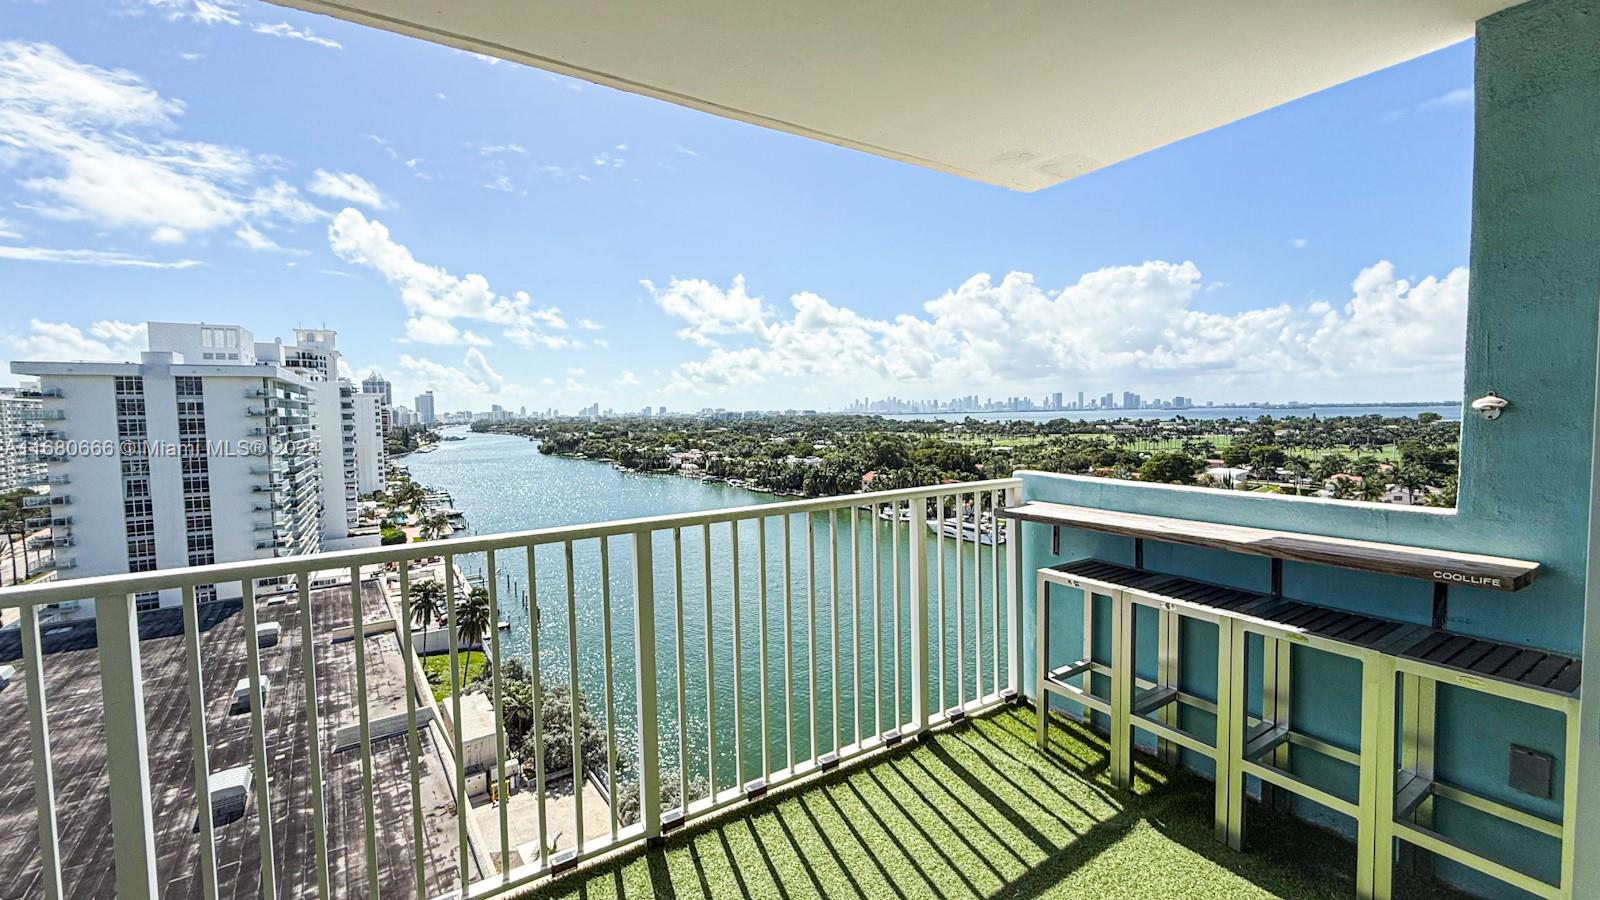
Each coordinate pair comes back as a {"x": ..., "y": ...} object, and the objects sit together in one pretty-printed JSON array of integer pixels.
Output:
[
  {"x": 372, "y": 429},
  {"x": 1080, "y": 399},
  {"x": 1055, "y": 400},
  {"x": 1130, "y": 400},
  {"x": 19, "y": 468},
  {"x": 425, "y": 408},
  {"x": 1107, "y": 402},
  {"x": 375, "y": 383},
  {"x": 315, "y": 353}
]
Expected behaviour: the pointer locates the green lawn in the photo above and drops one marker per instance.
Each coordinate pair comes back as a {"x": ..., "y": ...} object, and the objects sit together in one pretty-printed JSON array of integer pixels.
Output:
[
  {"x": 977, "y": 811},
  {"x": 437, "y": 668}
]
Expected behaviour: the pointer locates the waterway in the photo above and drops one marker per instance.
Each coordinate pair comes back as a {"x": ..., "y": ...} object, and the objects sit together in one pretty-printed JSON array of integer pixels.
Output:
[{"x": 504, "y": 484}]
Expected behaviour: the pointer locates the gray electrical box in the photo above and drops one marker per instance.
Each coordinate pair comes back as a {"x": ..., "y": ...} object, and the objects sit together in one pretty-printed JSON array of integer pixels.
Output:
[{"x": 1532, "y": 772}]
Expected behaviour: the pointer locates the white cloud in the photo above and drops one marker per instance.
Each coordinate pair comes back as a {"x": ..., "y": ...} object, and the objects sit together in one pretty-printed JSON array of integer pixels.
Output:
[
  {"x": 434, "y": 298},
  {"x": 459, "y": 385},
  {"x": 1449, "y": 100},
  {"x": 627, "y": 379},
  {"x": 348, "y": 187},
  {"x": 495, "y": 149},
  {"x": 1127, "y": 325},
  {"x": 107, "y": 340},
  {"x": 684, "y": 150},
  {"x": 589, "y": 325},
  {"x": 1299, "y": 243},
  {"x": 92, "y": 258},
  {"x": 95, "y": 146},
  {"x": 285, "y": 30},
  {"x": 206, "y": 12},
  {"x": 500, "y": 183},
  {"x": 8, "y": 229},
  {"x": 1459, "y": 98}
]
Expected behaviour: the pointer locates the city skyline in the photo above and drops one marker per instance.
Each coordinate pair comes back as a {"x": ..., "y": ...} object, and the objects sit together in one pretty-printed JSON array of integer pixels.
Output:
[{"x": 700, "y": 262}]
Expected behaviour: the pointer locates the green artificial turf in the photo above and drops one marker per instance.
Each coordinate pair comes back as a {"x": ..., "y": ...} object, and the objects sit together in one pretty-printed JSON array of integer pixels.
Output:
[
  {"x": 469, "y": 664},
  {"x": 978, "y": 811}
]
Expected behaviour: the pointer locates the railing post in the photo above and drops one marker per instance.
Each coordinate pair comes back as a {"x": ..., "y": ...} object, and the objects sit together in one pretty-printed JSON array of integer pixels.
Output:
[
  {"x": 919, "y": 613},
  {"x": 644, "y": 656},
  {"x": 1014, "y": 596},
  {"x": 127, "y": 750}
]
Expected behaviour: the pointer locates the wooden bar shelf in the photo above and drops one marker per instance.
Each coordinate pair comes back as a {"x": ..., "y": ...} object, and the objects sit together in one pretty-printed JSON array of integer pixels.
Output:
[{"x": 1445, "y": 567}]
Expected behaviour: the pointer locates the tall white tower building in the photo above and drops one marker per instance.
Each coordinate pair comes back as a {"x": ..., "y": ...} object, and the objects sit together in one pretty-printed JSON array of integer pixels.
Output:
[{"x": 198, "y": 453}]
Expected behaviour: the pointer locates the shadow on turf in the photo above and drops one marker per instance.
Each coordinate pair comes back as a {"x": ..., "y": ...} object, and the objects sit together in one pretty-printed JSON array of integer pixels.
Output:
[{"x": 1283, "y": 855}]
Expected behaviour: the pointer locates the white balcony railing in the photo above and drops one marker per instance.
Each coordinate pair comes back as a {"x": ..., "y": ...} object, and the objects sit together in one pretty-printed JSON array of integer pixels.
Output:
[{"x": 857, "y": 619}]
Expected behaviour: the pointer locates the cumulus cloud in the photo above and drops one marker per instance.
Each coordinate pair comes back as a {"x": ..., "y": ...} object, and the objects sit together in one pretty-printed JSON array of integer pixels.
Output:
[
  {"x": 435, "y": 300},
  {"x": 95, "y": 145},
  {"x": 458, "y": 385},
  {"x": 1130, "y": 325},
  {"x": 107, "y": 340},
  {"x": 348, "y": 187}
]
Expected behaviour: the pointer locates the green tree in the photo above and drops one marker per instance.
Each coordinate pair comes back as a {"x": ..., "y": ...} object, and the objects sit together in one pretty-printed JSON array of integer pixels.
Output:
[{"x": 1171, "y": 467}]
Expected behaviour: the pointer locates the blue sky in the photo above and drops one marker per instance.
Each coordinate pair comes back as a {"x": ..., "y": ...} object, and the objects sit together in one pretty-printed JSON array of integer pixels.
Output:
[{"x": 238, "y": 162}]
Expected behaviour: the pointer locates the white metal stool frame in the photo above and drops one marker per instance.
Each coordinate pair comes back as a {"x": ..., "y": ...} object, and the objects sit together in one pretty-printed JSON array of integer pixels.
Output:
[
  {"x": 1123, "y": 709},
  {"x": 1414, "y": 784}
]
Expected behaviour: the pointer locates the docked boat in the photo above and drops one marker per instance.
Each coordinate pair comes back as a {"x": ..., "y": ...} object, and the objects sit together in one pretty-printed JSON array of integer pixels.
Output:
[{"x": 982, "y": 532}]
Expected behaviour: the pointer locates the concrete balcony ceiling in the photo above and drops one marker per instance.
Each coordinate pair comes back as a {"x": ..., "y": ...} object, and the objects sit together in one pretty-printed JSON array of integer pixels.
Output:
[{"x": 1024, "y": 94}]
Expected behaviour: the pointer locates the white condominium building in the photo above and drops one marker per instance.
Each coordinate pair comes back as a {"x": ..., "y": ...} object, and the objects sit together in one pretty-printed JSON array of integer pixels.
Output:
[
  {"x": 211, "y": 448},
  {"x": 315, "y": 356},
  {"x": 18, "y": 409},
  {"x": 372, "y": 426}
]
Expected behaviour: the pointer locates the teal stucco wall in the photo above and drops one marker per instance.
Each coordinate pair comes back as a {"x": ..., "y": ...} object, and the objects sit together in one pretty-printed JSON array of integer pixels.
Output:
[{"x": 1525, "y": 492}]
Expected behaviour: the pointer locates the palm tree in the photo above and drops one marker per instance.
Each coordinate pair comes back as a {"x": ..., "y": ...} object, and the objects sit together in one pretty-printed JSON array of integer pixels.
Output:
[
  {"x": 427, "y": 603},
  {"x": 1342, "y": 489},
  {"x": 434, "y": 525},
  {"x": 1412, "y": 479},
  {"x": 472, "y": 617},
  {"x": 1372, "y": 489}
]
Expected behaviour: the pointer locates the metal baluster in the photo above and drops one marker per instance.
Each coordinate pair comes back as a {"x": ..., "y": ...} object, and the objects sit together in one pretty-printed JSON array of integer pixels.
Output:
[
  {"x": 464, "y": 849},
  {"x": 938, "y": 551},
  {"x": 1014, "y": 595},
  {"x": 788, "y": 642},
  {"x": 711, "y": 694},
  {"x": 978, "y": 598},
  {"x": 364, "y": 730},
  {"x": 199, "y": 746},
  {"x": 413, "y": 741},
  {"x": 761, "y": 565},
  {"x": 537, "y": 674},
  {"x": 503, "y": 792},
  {"x": 308, "y": 666},
  {"x": 894, "y": 600},
  {"x": 683, "y": 701},
  {"x": 855, "y": 614},
  {"x": 877, "y": 627},
  {"x": 576, "y": 704},
  {"x": 645, "y": 677},
  {"x": 605, "y": 652},
  {"x": 994, "y": 573},
  {"x": 738, "y": 660},
  {"x": 811, "y": 633},
  {"x": 961, "y": 606},
  {"x": 917, "y": 608},
  {"x": 258, "y": 743},
  {"x": 833, "y": 620},
  {"x": 44, "y": 782}
]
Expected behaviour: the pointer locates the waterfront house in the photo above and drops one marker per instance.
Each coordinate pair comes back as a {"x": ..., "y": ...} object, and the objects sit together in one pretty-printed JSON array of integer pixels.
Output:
[{"x": 1108, "y": 687}]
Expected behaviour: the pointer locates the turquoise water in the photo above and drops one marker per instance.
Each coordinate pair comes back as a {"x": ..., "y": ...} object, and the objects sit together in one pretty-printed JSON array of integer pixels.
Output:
[{"x": 504, "y": 484}]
